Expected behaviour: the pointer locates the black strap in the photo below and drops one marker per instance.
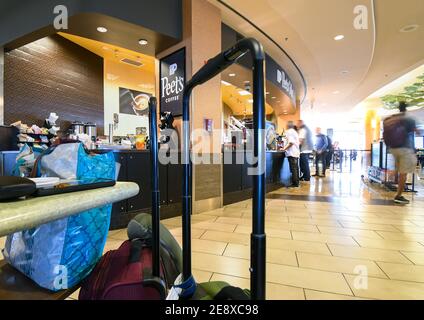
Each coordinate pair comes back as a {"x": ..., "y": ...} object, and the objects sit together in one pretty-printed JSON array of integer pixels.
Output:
[
  {"x": 137, "y": 246},
  {"x": 232, "y": 293}
]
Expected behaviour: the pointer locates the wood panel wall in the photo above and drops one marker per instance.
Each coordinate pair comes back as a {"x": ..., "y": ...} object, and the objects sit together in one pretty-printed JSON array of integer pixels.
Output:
[{"x": 53, "y": 74}]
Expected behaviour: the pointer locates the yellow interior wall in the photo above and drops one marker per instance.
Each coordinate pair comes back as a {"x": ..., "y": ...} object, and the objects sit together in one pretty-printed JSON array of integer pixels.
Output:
[{"x": 127, "y": 77}]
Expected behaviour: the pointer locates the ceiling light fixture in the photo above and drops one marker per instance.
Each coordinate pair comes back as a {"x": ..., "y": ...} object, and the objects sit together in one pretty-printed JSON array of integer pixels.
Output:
[
  {"x": 273, "y": 98},
  {"x": 344, "y": 72},
  {"x": 339, "y": 37},
  {"x": 143, "y": 42},
  {"x": 409, "y": 28},
  {"x": 232, "y": 74},
  {"x": 267, "y": 92},
  {"x": 336, "y": 92},
  {"x": 101, "y": 29}
]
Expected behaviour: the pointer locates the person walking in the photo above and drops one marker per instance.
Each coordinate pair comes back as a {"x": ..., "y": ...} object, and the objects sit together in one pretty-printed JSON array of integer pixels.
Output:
[
  {"x": 330, "y": 151},
  {"x": 306, "y": 149},
  {"x": 321, "y": 145},
  {"x": 292, "y": 153},
  {"x": 398, "y": 134}
]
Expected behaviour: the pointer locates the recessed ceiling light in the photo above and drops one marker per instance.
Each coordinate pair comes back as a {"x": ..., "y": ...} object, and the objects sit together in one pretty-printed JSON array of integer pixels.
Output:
[
  {"x": 409, "y": 28},
  {"x": 101, "y": 29},
  {"x": 225, "y": 83},
  {"x": 232, "y": 74},
  {"x": 143, "y": 42},
  {"x": 344, "y": 72},
  {"x": 267, "y": 92},
  {"x": 339, "y": 37},
  {"x": 273, "y": 98},
  {"x": 336, "y": 92},
  {"x": 244, "y": 93}
]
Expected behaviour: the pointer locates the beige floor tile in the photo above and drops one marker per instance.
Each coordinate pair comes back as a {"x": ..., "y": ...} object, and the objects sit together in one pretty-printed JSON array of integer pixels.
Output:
[
  {"x": 324, "y": 238},
  {"x": 335, "y": 217},
  {"x": 368, "y": 226},
  {"x": 410, "y": 229},
  {"x": 112, "y": 244},
  {"x": 272, "y": 255},
  {"x": 2, "y": 244},
  {"x": 273, "y": 291},
  {"x": 401, "y": 236},
  {"x": 368, "y": 254},
  {"x": 227, "y": 237},
  {"x": 403, "y": 272},
  {"x": 177, "y": 221},
  {"x": 390, "y": 244},
  {"x": 350, "y": 232},
  {"x": 270, "y": 224},
  {"x": 318, "y": 222},
  {"x": 416, "y": 258},
  {"x": 206, "y": 225},
  {"x": 396, "y": 222},
  {"x": 201, "y": 276},
  {"x": 387, "y": 289},
  {"x": 119, "y": 235},
  {"x": 74, "y": 296},
  {"x": 298, "y": 245},
  {"x": 221, "y": 264},
  {"x": 225, "y": 213},
  {"x": 275, "y": 233},
  {"x": 338, "y": 264},
  {"x": 307, "y": 278},
  {"x": 195, "y": 233},
  {"x": 205, "y": 246},
  {"x": 319, "y": 295}
]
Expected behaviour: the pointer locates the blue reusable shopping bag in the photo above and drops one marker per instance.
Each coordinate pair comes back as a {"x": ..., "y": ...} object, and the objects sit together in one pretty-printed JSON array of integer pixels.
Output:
[{"x": 59, "y": 254}]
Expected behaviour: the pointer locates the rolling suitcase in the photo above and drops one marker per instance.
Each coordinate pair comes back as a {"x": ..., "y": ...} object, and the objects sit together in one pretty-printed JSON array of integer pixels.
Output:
[
  {"x": 141, "y": 269},
  {"x": 186, "y": 287}
]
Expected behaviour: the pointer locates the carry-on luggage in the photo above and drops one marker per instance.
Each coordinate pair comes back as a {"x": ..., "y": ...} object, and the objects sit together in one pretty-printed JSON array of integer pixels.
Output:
[
  {"x": 221, "y": 290},
  {"x": 141, "y": 269}
]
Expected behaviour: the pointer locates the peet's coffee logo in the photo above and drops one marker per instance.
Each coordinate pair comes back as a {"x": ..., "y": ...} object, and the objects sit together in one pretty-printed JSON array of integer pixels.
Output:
[
  {"x": 173, "y": 85},
  {"x": 172, "y": 82},
  {"x": 285, "y": 83}
]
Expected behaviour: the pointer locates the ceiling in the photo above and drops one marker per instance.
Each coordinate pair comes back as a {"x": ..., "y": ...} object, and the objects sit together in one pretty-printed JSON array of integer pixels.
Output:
[
  {"x": 339, "y": 74},
  {"x": 111, "y": 52},
  {"x": 236, "y": 75}
]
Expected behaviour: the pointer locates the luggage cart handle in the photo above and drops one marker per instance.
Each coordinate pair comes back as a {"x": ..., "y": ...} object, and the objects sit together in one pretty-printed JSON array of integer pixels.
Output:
[{"x": 258, "y": 240}]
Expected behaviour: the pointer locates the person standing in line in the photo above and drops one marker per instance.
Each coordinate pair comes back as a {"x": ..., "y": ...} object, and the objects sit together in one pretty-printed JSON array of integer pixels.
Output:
[
  {"x": 306, "y": 149},
  {"x": 292, "y": 153},
  {"x": 330, "y": 151},
  {"x": 398, "y": 135},
  {"x": 321, "y": 145}
]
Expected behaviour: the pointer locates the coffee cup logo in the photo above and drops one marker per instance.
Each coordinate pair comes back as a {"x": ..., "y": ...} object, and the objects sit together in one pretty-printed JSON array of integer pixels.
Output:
[{"x": 172, "y": 69}]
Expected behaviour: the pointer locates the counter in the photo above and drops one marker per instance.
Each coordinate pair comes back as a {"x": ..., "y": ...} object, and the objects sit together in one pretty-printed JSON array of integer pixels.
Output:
[
  {"x": 26, "y": 214},
  {"x": 238, "y": 185}
]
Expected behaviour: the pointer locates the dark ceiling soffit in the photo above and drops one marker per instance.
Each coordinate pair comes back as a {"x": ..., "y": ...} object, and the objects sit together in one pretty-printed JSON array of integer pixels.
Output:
[
  {"x": 23, "y": 18},
  {"x": 273, "y": 41}
]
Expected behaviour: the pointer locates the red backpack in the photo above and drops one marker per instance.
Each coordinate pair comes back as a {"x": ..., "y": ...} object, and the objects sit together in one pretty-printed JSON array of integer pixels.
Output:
[{"x": 395, "y": 133}]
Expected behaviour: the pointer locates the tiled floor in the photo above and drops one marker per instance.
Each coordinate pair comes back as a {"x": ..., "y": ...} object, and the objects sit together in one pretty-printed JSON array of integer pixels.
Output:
[{"x": 351, "y": 243}]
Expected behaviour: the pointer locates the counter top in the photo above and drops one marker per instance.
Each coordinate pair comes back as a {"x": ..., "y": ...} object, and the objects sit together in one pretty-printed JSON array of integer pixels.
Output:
[{"x": 25, "y": 214}]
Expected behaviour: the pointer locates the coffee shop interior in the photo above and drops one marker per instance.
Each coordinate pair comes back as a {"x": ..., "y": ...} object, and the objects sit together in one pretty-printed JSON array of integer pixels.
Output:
[{"x": 91, "y": 84}]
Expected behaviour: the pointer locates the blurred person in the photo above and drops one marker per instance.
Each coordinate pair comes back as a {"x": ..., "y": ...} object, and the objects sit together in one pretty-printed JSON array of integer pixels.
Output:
[
  {"x": 321, "y": 145},
  {"x": 330, "y": 151},
  {"x": 293, "y": 153},
  {"x": 306, "y": 149},
  {"x": 398, "y": 135}
]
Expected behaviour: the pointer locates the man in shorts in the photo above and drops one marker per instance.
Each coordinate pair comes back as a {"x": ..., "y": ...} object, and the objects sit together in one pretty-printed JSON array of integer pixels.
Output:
[{"x": 404, "y": 152}]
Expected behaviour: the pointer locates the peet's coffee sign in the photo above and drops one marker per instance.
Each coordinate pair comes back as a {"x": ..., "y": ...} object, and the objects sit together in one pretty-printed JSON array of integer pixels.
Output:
[
  {"x": 172, "y": 82},
  {"x": 279, "y": 77}
]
